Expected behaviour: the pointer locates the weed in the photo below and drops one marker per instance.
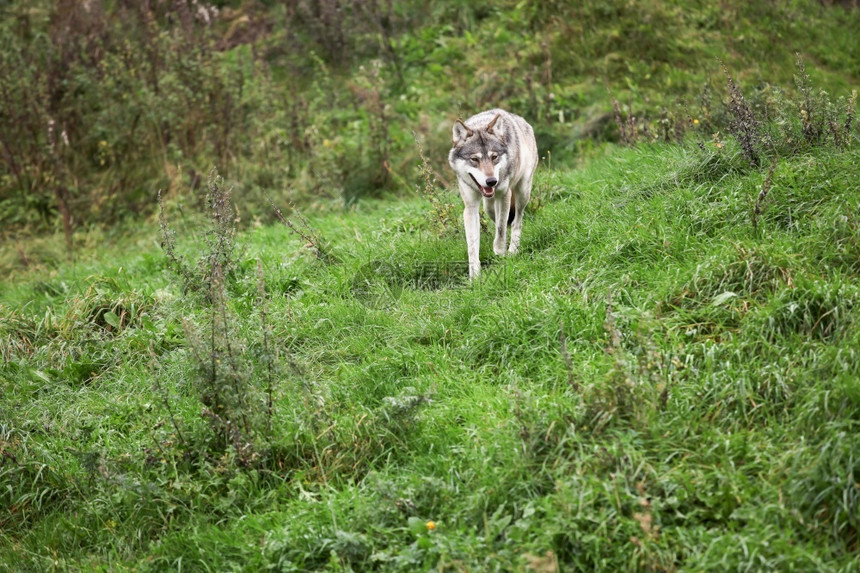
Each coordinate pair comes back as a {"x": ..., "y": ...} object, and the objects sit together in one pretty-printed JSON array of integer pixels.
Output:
[
  {"x": 225, "y": 382},
  {"x": 841, "y": 132},
  {"x": 168, "y": 245},
  {"x": 811, "y": 112},
  {"x": 627, "y": 130},
  {"x": 313, "y": 240},
  {"x": 743, "y": 123},
  {"x": 269, "y": 355},
  {"x": 443, "y": 218},
  {"x": 219, "y": 259},
  {"x": 762, "y": 195}
]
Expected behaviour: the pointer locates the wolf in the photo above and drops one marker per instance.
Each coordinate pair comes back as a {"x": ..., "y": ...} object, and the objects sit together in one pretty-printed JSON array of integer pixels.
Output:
[{"x": 494, "y": 156}]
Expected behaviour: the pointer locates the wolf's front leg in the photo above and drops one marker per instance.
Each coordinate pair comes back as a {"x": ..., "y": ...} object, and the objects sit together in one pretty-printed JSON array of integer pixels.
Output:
[
  {"x": 501, "y": 207},
  {"x": 524, "y": 193},
  {"x": 472, "y": 224},
  {"x": 516, "y": 232}
]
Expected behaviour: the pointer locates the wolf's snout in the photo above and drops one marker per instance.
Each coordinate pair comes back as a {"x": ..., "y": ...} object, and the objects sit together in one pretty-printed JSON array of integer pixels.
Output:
[{"x": 491, "y": 181}]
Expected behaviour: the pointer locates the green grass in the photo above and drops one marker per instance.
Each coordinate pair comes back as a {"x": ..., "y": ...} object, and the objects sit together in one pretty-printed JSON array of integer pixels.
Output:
[{"x": 705, "y": 416}]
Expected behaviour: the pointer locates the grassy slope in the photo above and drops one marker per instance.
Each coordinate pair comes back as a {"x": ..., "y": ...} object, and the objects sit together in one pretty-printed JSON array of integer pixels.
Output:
[{"x": 707, "y": 420}]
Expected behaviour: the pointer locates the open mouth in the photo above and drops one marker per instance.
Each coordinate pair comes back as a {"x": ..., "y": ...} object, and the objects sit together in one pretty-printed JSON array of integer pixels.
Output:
[{"x": 487, "y": 192}]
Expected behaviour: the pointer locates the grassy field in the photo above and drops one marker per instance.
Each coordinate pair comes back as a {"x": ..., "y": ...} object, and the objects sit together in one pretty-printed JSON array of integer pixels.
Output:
[
  {"x": 658, "y": 381},
  {"x": 665, "y": 378}
]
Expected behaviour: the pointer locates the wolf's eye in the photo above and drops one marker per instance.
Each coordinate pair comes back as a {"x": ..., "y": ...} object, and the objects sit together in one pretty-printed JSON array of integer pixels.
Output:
[
  {"x": 474, "y": 160},
  {"x": 494, "y": 156}
]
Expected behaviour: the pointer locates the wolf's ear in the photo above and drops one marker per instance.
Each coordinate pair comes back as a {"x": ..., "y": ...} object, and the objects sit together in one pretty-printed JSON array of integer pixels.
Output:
[
  {"x": 493, "y": 123},
  {"x": 461, "y": 132}
]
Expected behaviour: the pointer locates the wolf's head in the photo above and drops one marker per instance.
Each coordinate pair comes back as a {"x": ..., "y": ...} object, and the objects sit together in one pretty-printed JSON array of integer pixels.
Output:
[{"x": 480, "y": 154}]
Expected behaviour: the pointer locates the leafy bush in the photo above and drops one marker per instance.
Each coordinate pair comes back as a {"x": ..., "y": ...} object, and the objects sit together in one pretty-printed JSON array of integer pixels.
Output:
[{"x": 319, "y": 101}]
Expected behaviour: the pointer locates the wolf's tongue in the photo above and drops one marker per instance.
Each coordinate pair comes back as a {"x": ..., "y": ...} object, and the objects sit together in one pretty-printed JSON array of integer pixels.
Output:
[{"x": 487, "y": 191}]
